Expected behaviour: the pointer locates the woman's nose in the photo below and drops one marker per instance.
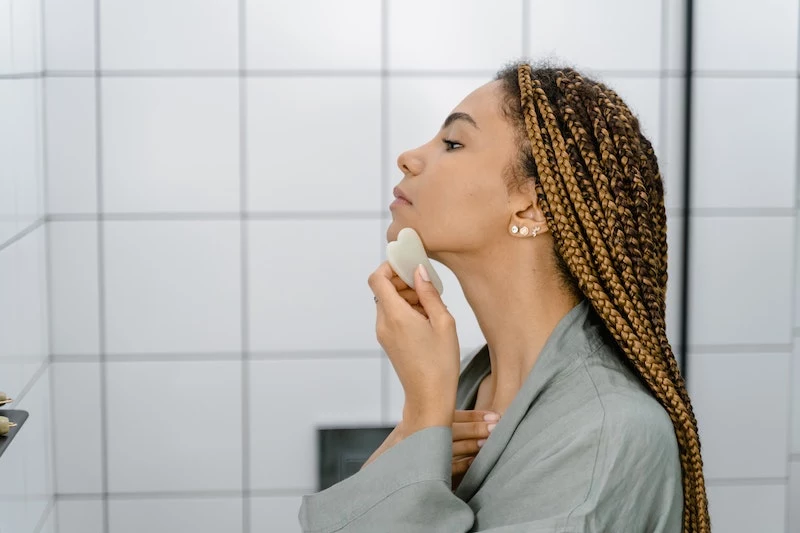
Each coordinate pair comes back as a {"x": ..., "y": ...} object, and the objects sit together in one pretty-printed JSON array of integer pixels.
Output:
[{"x": 410, "y": 163}]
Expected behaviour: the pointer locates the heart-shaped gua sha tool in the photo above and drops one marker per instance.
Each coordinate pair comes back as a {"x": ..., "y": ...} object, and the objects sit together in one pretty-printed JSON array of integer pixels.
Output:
[{"x": 406, "y": 253}]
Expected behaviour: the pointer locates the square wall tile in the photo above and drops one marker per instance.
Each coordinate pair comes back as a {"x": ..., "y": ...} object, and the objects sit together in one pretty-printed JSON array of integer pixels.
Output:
[
  {"x": 169, "y": 34},
  {"x": 71, "y": 143},
  {"x": 74, "y": 298},
  {"x": 26, "y": 36},
  {"x": 294, "y": 302},
  {"x": 21, "y": 151},
  {"x": 670, "y": 151},
  {"x": 417, "y": 109},
  {"x": 5, "y": 38},
  {"x": 793, "y": 498},
  {"x": 733, "y": 165},
  {"x": 741, "y": 403},
  {"x": 35, "y": 440},
  {"x": 618, "y": 43},
  {"x": 77, "y": 423},
  {"x": 27, "y": 335},
  {"x": 743, "y": 509},
  {"x": 313, "y": 34},
  {"x": 276, "y": 514},
  {"x": 795, "y": 405},
  {"x": 292, "y": 165},
  {"x": 751, "y": 36},
  {"x": 80, "y": 516},
  {"x": 741, "y": 280},
  {"x": 172, "y": 286},
  {"x": 321, "y": 393},
  {"x": 675, "y": 255},
  {"x": 675, "y": 27},
  {"x": 176, "y": 515},
  {"x": 453, "y": 34},
  {"x": 174, "y": 426},
  {"x": 170, "y": 144},
  {"x": 69, "y": 34}
]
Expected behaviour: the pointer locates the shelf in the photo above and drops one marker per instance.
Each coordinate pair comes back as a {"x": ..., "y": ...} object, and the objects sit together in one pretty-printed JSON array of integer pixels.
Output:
[{"x": 18, "y": 417}]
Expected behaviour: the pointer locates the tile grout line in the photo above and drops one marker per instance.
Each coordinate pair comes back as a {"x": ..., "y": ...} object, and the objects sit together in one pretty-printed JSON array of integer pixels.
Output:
[
  {"x": 526, "y": 8},
  {"x": 101, "y": 296},
  {"x": 398, "y": 73},
  {"x": 25, "y": 231},
  {"x": 243, "y": 270}
]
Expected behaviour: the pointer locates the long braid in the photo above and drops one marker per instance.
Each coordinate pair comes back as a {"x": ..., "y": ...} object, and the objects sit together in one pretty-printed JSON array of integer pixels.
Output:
[{"x": 599, "y": 187}]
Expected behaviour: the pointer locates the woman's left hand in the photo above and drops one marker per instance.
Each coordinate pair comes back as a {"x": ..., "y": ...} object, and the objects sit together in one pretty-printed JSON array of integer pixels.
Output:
[{"x": 423, "y": 350}]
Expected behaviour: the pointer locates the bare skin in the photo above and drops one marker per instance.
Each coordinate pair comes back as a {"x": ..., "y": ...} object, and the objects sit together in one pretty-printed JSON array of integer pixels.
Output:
[{"x": 459, "y": 203}]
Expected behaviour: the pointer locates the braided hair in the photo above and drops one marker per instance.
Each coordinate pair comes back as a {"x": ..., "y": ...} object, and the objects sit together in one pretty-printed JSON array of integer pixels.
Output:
[{"x": 597, "y": 180}]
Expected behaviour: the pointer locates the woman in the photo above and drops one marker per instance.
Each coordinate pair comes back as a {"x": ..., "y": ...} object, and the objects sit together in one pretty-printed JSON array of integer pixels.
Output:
[{"x": 544, "y": 198}]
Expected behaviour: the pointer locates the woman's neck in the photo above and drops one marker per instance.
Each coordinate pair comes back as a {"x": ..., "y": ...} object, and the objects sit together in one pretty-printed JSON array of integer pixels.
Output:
[{"x": 517, "y": 302}]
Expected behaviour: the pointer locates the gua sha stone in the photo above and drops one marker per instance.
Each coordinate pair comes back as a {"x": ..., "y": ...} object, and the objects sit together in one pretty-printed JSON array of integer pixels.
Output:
[
  {"x": 4, "y": 399},
  {"x": 406, "y": 254},
  {"x": 5, "y": 425}
]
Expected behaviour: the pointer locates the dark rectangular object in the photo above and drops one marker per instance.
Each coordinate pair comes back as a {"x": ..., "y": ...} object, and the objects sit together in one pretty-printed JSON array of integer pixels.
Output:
[
  {"x": 342, "y": 451},
  {"x": 16, "y": 416}
]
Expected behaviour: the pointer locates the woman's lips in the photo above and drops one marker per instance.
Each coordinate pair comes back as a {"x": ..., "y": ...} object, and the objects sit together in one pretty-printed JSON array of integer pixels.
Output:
[{"x": 399, "y": 201}]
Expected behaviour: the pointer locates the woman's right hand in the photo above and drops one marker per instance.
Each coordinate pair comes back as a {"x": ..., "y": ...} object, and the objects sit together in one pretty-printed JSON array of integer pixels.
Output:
[{"x": 470, "y": 431}]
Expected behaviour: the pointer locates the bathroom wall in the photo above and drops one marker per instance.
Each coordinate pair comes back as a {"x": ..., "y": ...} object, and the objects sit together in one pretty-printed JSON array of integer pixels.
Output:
[
  {"x": 206, "y": 159},
  {"x": 26, "y": 473}
]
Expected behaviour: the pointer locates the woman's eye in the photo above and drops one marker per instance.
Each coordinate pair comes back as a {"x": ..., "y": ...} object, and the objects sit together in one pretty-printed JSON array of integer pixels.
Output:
[{"x": 451, "y": 145}]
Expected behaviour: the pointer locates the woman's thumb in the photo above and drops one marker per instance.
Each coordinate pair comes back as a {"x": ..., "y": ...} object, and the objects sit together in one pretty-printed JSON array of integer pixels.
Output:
[{"x": 428, "y": 295}]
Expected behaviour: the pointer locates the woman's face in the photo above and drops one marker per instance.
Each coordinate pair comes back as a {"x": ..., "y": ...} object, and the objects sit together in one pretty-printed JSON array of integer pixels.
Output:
[{"x": 458, "y": 200}]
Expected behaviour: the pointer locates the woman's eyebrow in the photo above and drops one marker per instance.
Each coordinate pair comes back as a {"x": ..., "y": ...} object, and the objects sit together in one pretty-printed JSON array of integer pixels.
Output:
[{"x": 459, "y": 116}]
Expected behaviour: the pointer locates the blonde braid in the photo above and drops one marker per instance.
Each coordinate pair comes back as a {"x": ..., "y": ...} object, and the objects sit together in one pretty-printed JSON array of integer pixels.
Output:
[{"x": 618, "y": 261}]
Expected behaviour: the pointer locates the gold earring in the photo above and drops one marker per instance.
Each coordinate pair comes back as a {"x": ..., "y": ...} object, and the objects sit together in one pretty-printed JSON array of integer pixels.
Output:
[
  {"x": 523, "y": 230},
  {"x": 535, "y": 231}
]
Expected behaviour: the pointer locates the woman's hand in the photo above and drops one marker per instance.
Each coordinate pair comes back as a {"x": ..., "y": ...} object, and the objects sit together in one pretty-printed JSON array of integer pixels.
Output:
[
  {"x": 423, "y": 349},
  {"x": 408, "y": 294},
  {"x": 470, "y": 431}
]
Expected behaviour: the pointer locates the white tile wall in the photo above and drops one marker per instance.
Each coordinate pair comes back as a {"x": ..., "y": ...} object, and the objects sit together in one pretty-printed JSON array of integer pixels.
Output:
[
  {"x": 178, "y": 34},
  {"x": 750, "y": 37},
  {"x": 294, "y": 304},
  {"x": 26, "y": 36},
  {"x": 174, "y": 426},
  {"x": 793, "y": 496},
  {"x": 74, "y": 299},
  {"x": 276, "y": 514},
  {"x": 735, "y": 300},
  {"x": 313, "y": 34},
  {"x": 675, "y": 14},
  {"x": 69, "y": 35},
  {"x": 453, "y": 34},
  {"x": 173, "y": 515},
  {"x": 71, "y": 145},
  {"x": 671, "y": 149},
  {"x": 172, "y": 286},
  {"x": 6, "y": 54},
  {"x": 302, "y": 161},
  {"x": 569, "y": 30},
  {"x": 747, "y": 508},
  {"x": 320, "y": 393},
  {"x": 726, "y": 124},
  {"x": 170, "y": 144},
  {"x": 80, "y": 516},
  {"x": 741, "y": 403},
  {"x": 675, "y": 280},
  {"x": 77, "y": 427},
  {"x": 794, "y": 408}
]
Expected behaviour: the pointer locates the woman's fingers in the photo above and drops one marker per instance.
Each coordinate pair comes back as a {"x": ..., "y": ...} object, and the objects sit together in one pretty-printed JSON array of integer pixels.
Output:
[
  {"x": 466, "y": 447},
  {"x": 460, "y": 466},
  {"x": 471, "y": 430}
]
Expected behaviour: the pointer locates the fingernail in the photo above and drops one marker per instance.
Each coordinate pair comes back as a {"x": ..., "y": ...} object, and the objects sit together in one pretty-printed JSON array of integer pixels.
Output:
[
  {"x": 423, "y": 273},
  {"x": 491, "y": 427},
  {"x": 491, "y": 417},
  {"x": 481, "y": 442}
]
